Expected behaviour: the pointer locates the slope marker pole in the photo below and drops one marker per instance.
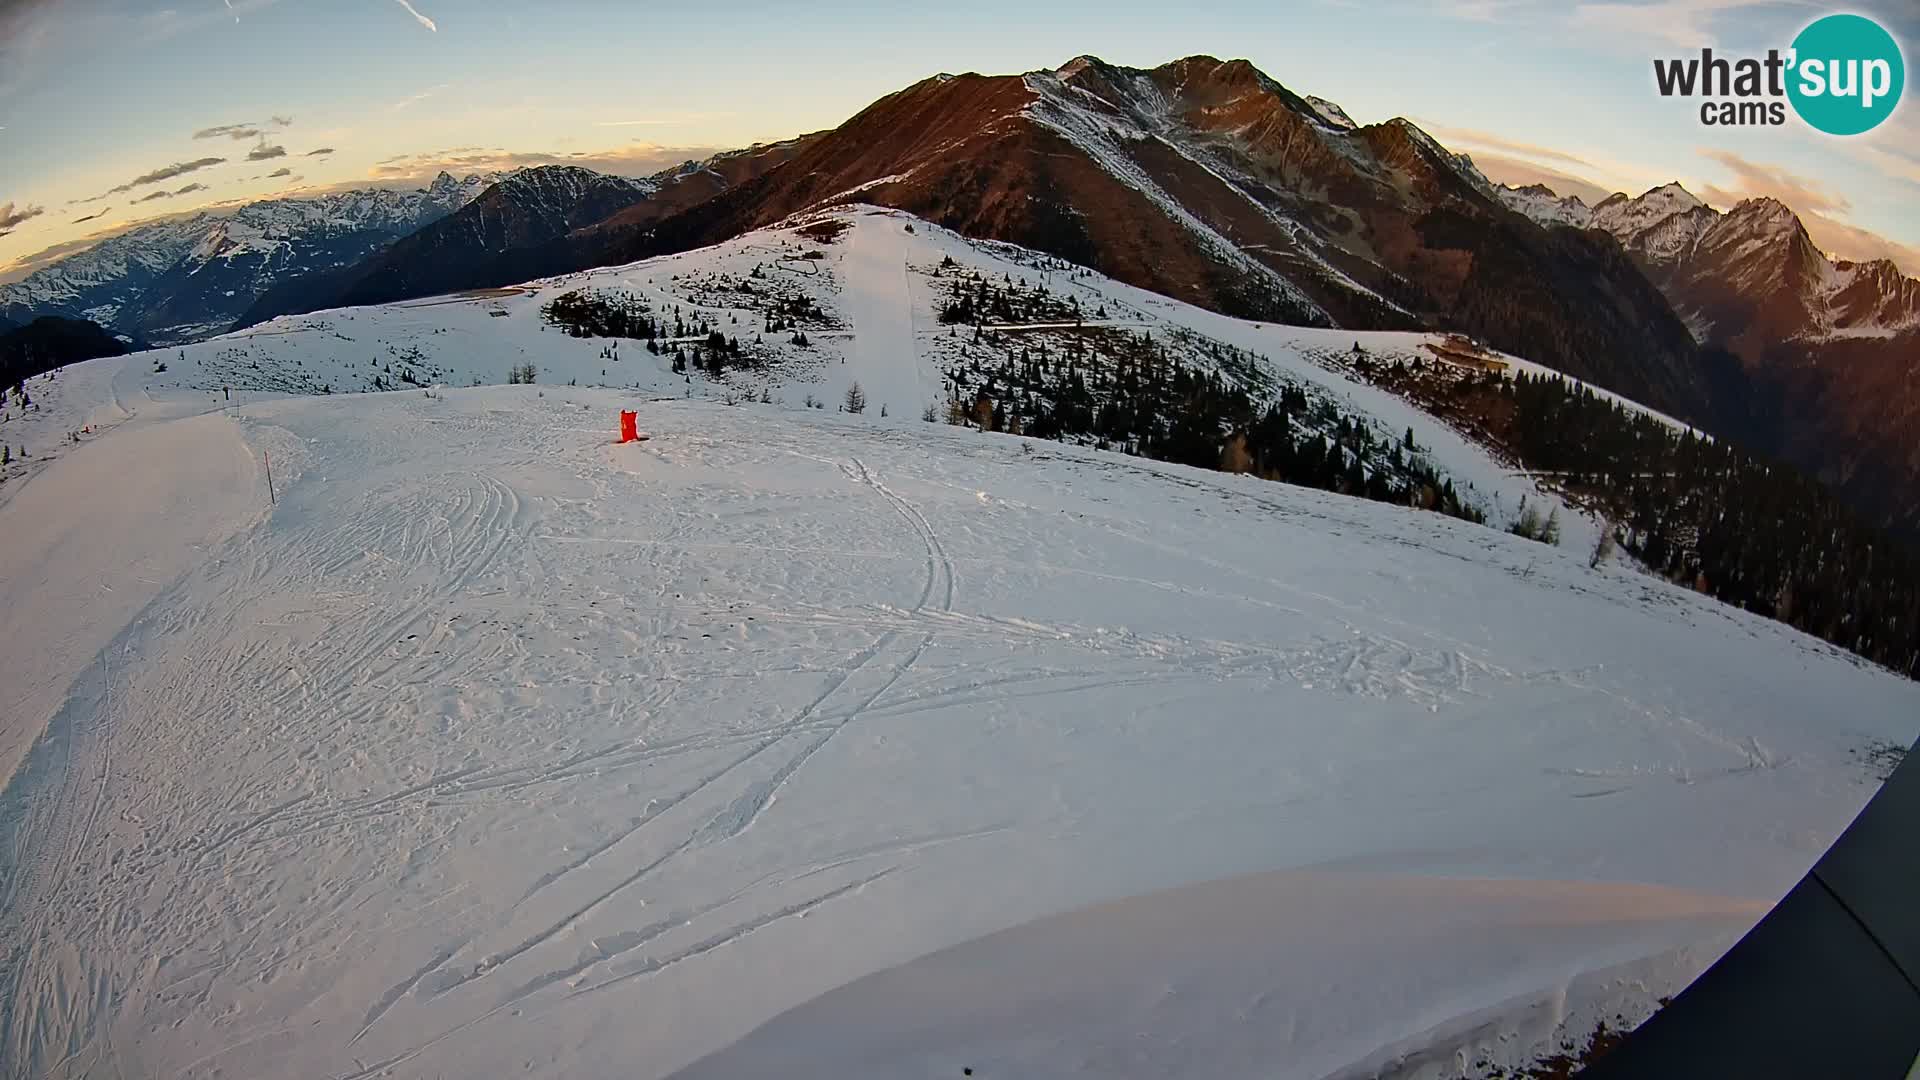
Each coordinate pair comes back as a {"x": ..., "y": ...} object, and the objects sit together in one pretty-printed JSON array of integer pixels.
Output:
[{"x": 271, "y": 499}]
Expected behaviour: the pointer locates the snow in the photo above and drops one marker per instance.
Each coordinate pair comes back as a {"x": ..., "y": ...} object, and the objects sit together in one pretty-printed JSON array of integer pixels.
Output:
[
  {"x": 1665, "y": 223},
  {"x": 878, "y": 181},
  {"x": 1226, "y": 988},
  {"x": 883, "y": 353},
  {"x": 494, "y": 746},
  {"x": 1331, "y": 114},
  {"x": 87, "y": 581},
  {"x": 1544, "y": 206}
]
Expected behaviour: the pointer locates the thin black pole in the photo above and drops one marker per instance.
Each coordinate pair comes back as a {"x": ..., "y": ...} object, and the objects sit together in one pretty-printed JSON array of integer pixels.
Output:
[{"x": 269, "y": 459}]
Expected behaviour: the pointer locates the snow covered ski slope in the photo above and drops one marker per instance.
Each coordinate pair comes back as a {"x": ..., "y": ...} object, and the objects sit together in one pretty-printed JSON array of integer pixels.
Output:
[
  {"x": 496, "y": 747},
  {"x": 831, "y": 745}
]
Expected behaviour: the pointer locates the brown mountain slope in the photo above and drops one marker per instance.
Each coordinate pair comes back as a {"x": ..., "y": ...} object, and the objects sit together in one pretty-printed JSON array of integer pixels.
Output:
[{"x": 1208, "y": 181}]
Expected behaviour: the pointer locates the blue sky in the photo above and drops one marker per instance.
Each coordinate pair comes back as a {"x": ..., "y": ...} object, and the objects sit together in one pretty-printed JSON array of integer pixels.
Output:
[{"x": 95, "y": 94}]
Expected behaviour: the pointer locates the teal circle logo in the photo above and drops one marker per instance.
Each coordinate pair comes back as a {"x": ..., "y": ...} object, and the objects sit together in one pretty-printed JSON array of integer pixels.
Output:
[{"x": 1847, "y": 74}]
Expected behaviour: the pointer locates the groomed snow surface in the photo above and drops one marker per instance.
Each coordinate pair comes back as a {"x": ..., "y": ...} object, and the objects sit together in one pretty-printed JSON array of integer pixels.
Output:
[{"x": 495, "y": 748}]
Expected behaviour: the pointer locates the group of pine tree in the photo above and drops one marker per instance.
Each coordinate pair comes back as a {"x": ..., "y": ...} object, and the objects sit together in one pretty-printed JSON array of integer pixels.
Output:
[
  {"x": 693, "y": 346},
  {"x": 1117, "y": 388},
  {"x": 1125, "y": 390},
  {"x": 1751, "y": 532}
]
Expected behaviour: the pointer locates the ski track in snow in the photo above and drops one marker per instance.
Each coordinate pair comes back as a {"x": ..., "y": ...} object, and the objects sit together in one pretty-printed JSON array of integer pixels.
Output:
[{"x": 496, "y": 747}]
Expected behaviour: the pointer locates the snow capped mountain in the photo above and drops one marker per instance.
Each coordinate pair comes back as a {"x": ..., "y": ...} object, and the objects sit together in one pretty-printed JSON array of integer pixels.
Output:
[
  {"x": 1620, "y": 214},
  {"x": 1754, "y": 269},
  {"x": 1754, "y": 261},
  {"x": 1334, "y": 115},
  {"x": 1824, "y": 351},
  {"x": 519, "y": 228},
  {"x": 555, "y": 192},
  {"x": 1871, "y": 299},
  {"x": 1659, "y": 227},
  {"x": 524, "y": 209},
  {"x": 190, "y": 277},
  {"x": 1540, "y": 203},
  {"x": 1725, "y": 270}
]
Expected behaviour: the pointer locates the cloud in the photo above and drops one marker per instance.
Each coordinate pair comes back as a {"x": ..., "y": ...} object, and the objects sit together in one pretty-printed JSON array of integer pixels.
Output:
[
  {"x": 236, "y": 132},
  {"x": 263, "y": 152},
  {"x": 243, "y": 131},
  {"x": 1565, "y": 172},
  {"x": 1478, "y": 10},
  {"x": 417, "y": 17},
  {"x": 1484, "y": 140},
  {"x": 417, "y": 98},
  {"x": 664, "y": 121},
  {"x": 1519, "y": 173},
  {"x": 634, "y": 159},
  {"x": 18, "y": 268},
  {"x": 277, "y": 173},
  {"x": 168, "y": 172},
  {"x": 26, "y": 28},
  {"x": 1755, "y": 180},
  {"x": 322, "y": 152},
  {"x": 1892, "y": 150},
  {"x": 12, "y": 217},
  {"x": 1850, "y": 242},
  {"x": 188, "y": 190},
  {"x": 90, "y": 217},
  {"x": 1688, "y": 24},
  {"x": 41, "y": 40},
  {"x": 1692, "y": 24},
  {"x": 1887, "y": 162},
  {"x": 1821, "y": 210}
]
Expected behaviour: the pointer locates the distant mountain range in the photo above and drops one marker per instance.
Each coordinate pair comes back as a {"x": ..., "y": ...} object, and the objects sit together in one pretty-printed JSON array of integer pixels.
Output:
[
  {"x": 500, "y": 236},
  {"x": 189, "y": 278},
  {"x": 1200, "y": 179},
  {"x": 1825, "y": 353},
  {"x": 457, "y": 248},
  {"x": 1747, "y": 277}
]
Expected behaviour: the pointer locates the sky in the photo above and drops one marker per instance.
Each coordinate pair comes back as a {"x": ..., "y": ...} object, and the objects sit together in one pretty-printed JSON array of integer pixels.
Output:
[{"x": 117, "y": 111}]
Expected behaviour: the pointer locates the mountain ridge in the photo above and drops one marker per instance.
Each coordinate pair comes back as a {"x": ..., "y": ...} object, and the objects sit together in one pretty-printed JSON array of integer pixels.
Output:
[
  {"x": 499, "y": 237},
  {"x": 1821, "y": 352},
  {"x": 1211, "y": 182},
  {"x": 189, "y": 277}
]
